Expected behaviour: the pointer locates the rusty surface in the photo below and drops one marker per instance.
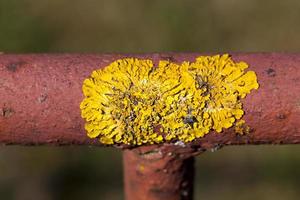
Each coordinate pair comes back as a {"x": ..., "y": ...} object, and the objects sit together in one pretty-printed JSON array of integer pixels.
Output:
[
  {"x": 153, "y": 173},
  {"x": 40, "y": 97}
]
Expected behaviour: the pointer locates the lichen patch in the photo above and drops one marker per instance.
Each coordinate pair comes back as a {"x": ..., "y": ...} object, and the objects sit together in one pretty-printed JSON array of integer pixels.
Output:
[{"x": 132, "y": 102}]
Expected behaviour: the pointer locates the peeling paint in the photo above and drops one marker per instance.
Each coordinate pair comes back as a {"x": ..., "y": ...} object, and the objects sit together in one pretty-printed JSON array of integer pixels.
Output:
[{"x": 126, "y": 101}]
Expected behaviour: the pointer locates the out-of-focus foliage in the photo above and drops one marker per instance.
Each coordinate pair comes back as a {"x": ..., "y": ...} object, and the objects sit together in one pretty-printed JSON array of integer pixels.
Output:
[
  {"x": 147, "y": 26},
  {"x": 44, "y": 173}
]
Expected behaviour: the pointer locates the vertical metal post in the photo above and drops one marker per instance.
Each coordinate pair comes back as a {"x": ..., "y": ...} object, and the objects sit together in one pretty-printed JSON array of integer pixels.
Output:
[{"x": 155, "y": 174}]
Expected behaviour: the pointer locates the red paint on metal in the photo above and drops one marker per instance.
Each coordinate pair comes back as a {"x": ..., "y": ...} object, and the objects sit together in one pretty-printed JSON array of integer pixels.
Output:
[
  {"x": 40, "y": 97},
  {"x": 153, "y": 173}
]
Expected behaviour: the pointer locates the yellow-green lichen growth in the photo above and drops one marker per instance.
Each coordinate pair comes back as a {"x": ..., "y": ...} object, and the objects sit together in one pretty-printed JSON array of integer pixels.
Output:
[
  {"x": 222, "y": 83},
  {"x": 241, "y": 127},
  {"x": 132, "y": 102}
]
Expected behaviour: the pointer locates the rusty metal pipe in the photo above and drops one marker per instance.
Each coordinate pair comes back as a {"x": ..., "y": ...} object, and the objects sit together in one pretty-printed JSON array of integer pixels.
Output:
[
  {"x": 153, "y": 173},
  {"x": 40, "y": 97}
]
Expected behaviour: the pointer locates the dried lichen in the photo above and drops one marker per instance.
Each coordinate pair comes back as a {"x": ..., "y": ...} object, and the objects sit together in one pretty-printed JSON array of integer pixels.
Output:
[{"x": 132, "y": 102}]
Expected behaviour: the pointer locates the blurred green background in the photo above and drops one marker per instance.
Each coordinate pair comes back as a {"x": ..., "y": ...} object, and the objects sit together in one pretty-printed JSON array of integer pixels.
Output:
[{"x": 135, "y": 26}]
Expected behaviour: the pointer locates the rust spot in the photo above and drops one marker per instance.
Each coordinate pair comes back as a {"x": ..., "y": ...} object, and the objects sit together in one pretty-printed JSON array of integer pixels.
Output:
[
  {"x": 281, "y": 116},
  {"x": 7, "y": 112},
  {"x": 42, "y": 98},
  {"x": 168, "y": 57},
  {"x": 271, "y": 72},
  {"x": 251, "y": 130},
  {"x": 13, "y": 67}
]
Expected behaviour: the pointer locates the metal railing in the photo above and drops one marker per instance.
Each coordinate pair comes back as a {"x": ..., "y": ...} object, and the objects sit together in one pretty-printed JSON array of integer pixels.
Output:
[{"x": 39, "y": 105}]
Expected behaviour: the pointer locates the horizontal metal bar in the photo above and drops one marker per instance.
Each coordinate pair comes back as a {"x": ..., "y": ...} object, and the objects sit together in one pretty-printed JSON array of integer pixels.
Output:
[{"x": 40, "y": 96}]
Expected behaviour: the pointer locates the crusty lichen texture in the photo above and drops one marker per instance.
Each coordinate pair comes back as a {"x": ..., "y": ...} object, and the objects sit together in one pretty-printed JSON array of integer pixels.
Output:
[{"x": 133, "y": 102}]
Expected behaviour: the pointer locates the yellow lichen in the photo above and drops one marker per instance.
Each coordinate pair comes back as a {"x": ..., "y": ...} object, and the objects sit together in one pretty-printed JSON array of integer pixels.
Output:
[
  {"x": 241, "y": 127},
  {"x": 132, "y": 102},
  {"x": 223, "y": 83}
]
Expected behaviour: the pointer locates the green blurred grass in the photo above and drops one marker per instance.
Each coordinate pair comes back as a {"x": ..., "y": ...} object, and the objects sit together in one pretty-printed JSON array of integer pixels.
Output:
[
  {"x": 148, "y": 26},
  {"x": 136, "y": 26}
]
